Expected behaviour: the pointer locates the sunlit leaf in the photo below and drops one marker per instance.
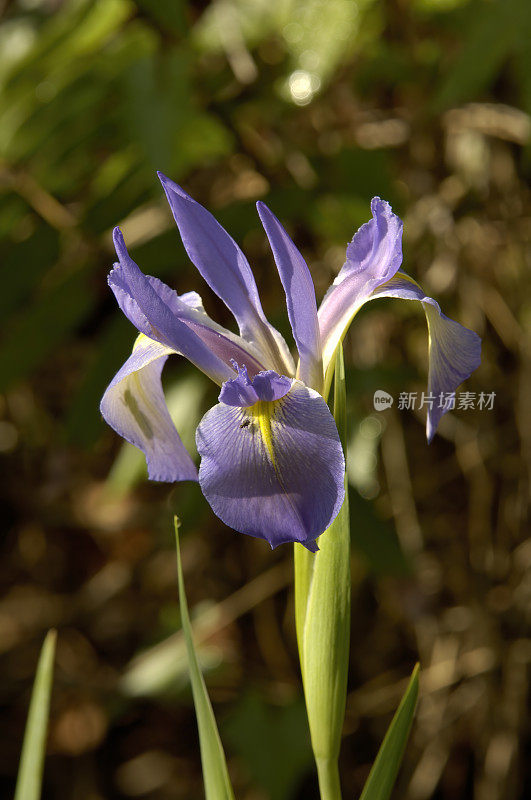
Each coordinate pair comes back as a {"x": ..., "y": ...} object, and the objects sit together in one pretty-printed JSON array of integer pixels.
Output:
[
  {"x": 34, "y": 747},
  {"x": 316, "y": 33},
  {"x": 383, "y": 774},
  {"x": 215, "y": 774}
]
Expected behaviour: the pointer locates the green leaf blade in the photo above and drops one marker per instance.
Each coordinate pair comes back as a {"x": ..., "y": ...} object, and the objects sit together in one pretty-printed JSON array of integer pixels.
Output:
[
  {"x": 322, "y": 612},
  {"x": 34, "y": 747},
  {"x": 383, "y": 774},
  {"x": 215, "y": 773}
]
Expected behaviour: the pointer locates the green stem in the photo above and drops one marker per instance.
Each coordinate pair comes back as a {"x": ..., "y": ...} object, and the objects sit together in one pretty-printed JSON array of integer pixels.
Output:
[{"x": 328, "y": 773}]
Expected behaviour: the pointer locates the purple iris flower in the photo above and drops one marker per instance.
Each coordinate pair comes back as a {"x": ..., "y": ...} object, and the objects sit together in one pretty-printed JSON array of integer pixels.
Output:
[{"x": 272, "y": 464}]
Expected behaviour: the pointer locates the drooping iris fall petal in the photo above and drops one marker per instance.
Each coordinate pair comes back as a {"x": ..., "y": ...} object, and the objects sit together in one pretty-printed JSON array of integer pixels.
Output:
[
  {"x": 371, "y": 271},
  {"x": 454, "y": 351},
  {"x": 275, "y": 469},
  {"x": 134, "y": 406}
]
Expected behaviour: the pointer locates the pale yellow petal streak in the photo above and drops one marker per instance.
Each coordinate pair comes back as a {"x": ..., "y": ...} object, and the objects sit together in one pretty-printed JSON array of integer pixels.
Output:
[{"x": 263, "y": 411}]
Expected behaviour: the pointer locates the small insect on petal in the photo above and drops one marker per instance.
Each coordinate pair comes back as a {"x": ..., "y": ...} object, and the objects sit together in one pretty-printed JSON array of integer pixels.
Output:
[{"x": 273, "y": 469}]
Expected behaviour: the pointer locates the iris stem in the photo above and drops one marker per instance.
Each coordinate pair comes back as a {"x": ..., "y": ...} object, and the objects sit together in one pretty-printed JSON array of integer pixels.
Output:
[
  {"x": 322, "y": 616},
  {"x": 328, "y": 774}
]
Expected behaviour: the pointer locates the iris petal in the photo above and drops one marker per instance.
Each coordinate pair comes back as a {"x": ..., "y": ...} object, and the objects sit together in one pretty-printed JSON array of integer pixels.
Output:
[
  {"x": 239, "y": 391},
  {"x": 134, "y": 406},
  {"x": 226, "y": 270},
  {"x": 373, "y": 257},
  {"x": 300, "y": 298},
  {"x": 242, "y": 391},
  {"x": 454, "y": 351},
  {"x": 178, "y": 322},
  {"x": 274, "y": 470},
  {"x": 222, "y": 342}
]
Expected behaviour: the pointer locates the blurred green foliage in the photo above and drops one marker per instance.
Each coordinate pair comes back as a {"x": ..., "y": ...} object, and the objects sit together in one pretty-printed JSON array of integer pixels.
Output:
[{"x": 263, "y": 735}]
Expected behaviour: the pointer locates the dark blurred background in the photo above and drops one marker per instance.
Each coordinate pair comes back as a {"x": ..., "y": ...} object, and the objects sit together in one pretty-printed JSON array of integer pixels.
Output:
[{"x": 313, "y": 106}]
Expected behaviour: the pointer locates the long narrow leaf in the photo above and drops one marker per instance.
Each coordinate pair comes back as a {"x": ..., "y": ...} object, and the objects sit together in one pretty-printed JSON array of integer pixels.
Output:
[
  {"x": 322, "y": 597},
  {"x": 304, "y": 561},
  {"x": 215, "y": 773},
  {"x": 385, "y": 768},
  {"x": 34, "y": 747}
]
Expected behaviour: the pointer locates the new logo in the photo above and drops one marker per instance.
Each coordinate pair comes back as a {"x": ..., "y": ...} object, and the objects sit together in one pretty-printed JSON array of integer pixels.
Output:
[{"x": 382, "y": 400}]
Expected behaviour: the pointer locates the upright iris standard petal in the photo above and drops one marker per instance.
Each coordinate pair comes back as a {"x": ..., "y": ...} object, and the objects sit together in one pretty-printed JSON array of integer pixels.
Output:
[
  {"x": 159, "y": 313},
  {"x": 270, "y": 386},
  {"x": 300, "y": 298},
  {"x": 226, "y": 270},
  {"x": 275, "y": 469},
  {"x": 242, "y": 391},
  {"x": 134, "y": 406},
  {"x": 373, "y": 257},
  {"x": 454, "y": 351},
  {"x": 239, "y": 391}
]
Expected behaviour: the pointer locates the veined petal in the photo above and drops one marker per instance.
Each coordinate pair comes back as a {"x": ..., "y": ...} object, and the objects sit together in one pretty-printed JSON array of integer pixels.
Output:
[
  {"x": 454, "y": 351},
  {"x": 226, "y": 270},
  {"x": 160, "y": 314},
  {"x": 300, "y": 298},
  {"x": 227, "y": 345},
  {"x": 275, "y": 469},
  {"x": 134, "y": 406},
  {"x": 373, "y": 257}
]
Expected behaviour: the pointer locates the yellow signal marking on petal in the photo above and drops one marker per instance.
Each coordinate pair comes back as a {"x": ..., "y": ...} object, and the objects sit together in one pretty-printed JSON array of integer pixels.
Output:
[
  {"x": 262, "y": 411},
  {"x": 141, "y": 341}
]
